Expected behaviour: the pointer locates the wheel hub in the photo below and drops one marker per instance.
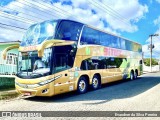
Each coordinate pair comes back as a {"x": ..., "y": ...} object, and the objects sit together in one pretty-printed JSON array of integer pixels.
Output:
[
  {"x": 95, "y": 82},
  {"x": 82, "y": 85}
]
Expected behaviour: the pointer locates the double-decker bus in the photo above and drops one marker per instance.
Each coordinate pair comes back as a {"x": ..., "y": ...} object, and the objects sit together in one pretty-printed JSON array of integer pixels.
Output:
[{"x": 72, "y": 56}]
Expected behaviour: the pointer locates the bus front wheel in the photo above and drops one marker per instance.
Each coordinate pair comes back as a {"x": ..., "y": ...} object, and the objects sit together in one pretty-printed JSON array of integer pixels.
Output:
[
  {"x": 95, "y": 82},
  {"x": 82, "y": 85}
]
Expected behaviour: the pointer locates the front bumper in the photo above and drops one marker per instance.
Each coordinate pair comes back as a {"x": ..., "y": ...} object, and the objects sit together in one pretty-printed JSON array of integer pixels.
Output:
[{"x": 44, "y": 90}]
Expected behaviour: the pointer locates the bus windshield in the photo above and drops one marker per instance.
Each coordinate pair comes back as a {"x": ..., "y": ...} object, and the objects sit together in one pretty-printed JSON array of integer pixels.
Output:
[
  {"x": 38, "y": 33},
  {"x": 55, "y": 59},
  {"x": 32, "y": 66}
]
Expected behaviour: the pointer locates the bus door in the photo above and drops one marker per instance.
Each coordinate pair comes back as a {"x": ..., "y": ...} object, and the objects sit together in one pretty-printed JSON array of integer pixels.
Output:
[
  {"x": 61, "y": 73},
  {"x": 63, "y": 62}
]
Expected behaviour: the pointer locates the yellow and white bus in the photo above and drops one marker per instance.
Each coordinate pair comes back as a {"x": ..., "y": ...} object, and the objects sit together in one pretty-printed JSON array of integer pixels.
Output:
[{"x": 72, "y": 56}]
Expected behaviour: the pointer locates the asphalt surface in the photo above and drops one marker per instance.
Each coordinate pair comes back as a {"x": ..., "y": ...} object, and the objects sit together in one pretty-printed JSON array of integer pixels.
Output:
[{"x": 142, "y": 94}]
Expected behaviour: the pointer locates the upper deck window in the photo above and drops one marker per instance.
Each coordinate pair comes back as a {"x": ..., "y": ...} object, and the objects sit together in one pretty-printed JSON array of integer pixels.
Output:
[
  {"x": 68, "y": 30},
  {"x": 38, "y": 33},
  {"x": 90, "y": 36}
]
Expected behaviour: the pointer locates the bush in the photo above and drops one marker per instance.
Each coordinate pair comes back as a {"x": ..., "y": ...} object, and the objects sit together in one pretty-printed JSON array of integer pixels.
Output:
[
  {"x": 7, "y": 83},
  {"x": 147, "y": 62}
]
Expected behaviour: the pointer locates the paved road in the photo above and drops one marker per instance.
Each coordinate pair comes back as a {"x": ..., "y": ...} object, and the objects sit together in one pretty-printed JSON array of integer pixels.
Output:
[{"x": 142, "y": 94}]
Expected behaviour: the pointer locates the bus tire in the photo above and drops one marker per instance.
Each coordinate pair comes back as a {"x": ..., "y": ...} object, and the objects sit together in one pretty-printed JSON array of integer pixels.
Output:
[
  {"x": 82, "y": 85},
  {"x": 135, "y": 75},
  {"x": 132, "y": 75},
  {"x": 96, "y": 82}
]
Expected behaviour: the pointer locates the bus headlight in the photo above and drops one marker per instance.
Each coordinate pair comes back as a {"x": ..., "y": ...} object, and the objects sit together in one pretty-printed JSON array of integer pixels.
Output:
[
  {"x": 45, "y": 82},
  {"x": 50, "y": 80},
  {"x": 33, "y": 86}
]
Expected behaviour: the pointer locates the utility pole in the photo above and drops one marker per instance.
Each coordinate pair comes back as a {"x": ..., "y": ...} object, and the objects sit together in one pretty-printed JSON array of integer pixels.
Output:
[{"x": 151, "y": 47}]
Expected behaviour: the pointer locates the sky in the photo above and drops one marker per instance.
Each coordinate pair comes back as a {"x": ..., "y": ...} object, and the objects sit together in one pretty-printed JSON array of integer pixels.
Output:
[{"x": 131, "y": 19}]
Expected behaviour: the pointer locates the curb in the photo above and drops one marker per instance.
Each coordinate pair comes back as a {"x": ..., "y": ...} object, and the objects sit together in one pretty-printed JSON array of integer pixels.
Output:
[{"x": 8, "y": 94}]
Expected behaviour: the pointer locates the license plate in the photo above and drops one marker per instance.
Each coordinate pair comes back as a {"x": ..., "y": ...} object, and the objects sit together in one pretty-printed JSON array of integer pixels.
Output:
[{"x": 27, "y": 93}]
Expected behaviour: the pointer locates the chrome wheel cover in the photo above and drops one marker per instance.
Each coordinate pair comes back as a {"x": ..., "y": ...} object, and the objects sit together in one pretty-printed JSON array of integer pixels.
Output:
[
  {"x": 131, "y": 76},
  {"x": 82, "y": 85},
  {"x": 95, "y": 82}
]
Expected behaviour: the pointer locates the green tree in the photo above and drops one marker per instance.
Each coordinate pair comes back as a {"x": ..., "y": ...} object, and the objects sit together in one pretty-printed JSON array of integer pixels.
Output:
[{"x": 147, "y": 61}]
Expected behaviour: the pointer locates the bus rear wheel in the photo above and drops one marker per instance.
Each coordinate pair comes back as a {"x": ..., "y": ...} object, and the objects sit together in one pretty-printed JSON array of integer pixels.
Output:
[
  {"x": 135, "y": 74},
  {"x": 96, "y": 82},
  {"x": 132, "y": 75},
  {"x": 82, "y": 85}
]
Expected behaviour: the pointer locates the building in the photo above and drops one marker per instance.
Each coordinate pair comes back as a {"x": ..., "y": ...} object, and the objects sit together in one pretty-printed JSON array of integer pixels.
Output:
[{"x": 9, "y": 65}]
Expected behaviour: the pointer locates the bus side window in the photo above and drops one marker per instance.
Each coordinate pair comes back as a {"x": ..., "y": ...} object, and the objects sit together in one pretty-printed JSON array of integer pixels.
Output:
[
  {"x": 84, "y": 65},
  {"x": 123, "y": 44},
  {"x": 90, "y": 64},
  {"x": 103, "y": 63},
  {"x": 140, "y": 62},
  {"x": 129, "y": 45},
  {"x": 69, "y": 30},
  {"x": 90, "y": 36}
]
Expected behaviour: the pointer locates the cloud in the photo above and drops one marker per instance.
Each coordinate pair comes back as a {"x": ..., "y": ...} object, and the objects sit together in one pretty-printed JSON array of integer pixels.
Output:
[
  {"x": 150, "y": 1},
  {"x": 10, "y": 35},
  {"x": 157, "y": 21},
  {"x": 123, "y": 17},
  {"x": 155, "y": 41},
  {"x": 158, "y": 1},
  {"x": 113, "y": 16},
  {"x": 116, "y": 14}
]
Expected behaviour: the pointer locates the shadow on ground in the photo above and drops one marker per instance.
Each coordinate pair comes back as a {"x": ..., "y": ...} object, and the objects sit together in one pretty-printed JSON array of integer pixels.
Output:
[{"x": 117, "y": 90}]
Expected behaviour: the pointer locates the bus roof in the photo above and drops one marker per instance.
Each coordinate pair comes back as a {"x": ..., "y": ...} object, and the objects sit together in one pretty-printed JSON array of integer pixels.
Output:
[{"x": 83, "y": 24}]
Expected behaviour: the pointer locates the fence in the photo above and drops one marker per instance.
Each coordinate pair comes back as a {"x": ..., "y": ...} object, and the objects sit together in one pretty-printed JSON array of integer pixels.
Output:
[
  {"x": 154, "y": 68},
  {"x": 8, "y": 66}
]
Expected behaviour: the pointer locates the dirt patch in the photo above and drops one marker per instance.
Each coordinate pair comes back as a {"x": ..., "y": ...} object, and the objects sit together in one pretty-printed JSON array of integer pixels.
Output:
[{"x": 8, "y": 95}]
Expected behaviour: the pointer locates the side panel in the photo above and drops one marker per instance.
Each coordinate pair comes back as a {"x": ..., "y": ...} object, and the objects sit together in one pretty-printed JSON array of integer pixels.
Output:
[
  {"x": 107, "y": 76},
  {"x": 64, "y": 83}
]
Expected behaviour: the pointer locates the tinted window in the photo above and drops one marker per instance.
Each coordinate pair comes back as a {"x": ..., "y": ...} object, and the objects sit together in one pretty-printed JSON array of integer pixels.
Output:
[
  {"x": 39, "y": 32},
  {"x": 84, "y": 65},
  {"x": 114, "y": 62},
  {"x": 113, "y": 41},
  {"x": 129, "y": 45},
  {"x": 90, "y": 36},
  {"x": 139, "y": 48},
  {"x": 104, "y": 39},
  {"x": 69, "y": 30},
  {"x": 65, "y": 56},
  {"x": 101, "y": 63},
  {"x": 118, "y": 42},
  {"x": 123, "y": 43},
  {"x": 140, "y": 62},
  {"x": 90, "y": 64}
]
